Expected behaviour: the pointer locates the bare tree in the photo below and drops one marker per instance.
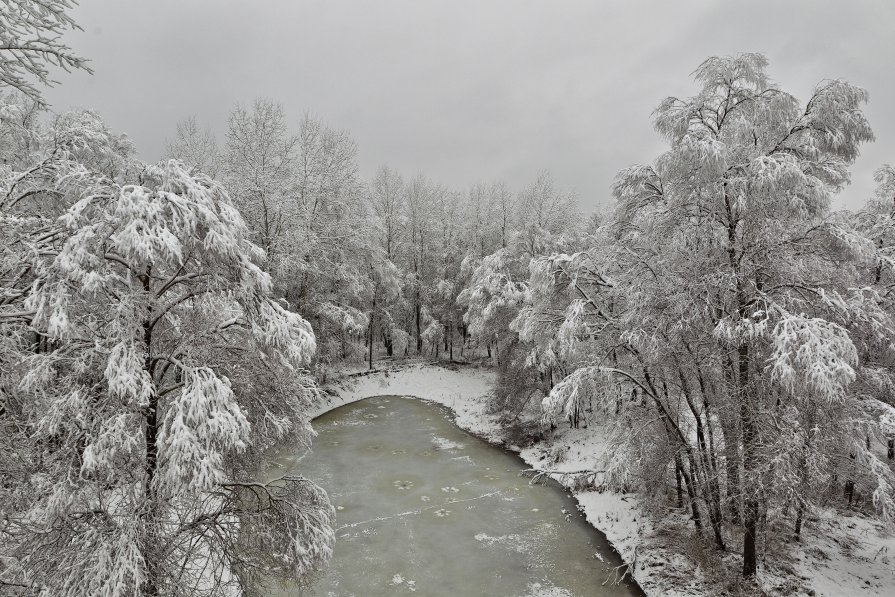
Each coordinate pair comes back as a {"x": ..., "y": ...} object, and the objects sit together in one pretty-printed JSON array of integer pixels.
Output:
[
  {"x": 503, "y": 200},
  {"x": 387, "y": 199},
  {"x": 260, "y": 161},
  {"x": 195, "y": 147},
  {"x": 542, "y": 205}
]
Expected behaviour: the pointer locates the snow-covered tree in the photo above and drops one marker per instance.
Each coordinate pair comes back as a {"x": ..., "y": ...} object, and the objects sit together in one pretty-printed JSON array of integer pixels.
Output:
[
  {"x": 260, "y": 173},
  {"x": 731, "y": 314},
  {"x": 544, "y": 210},
  {"x": 876, "y": 222},
  {"x": 195, "y": 147},
  {"x": 387, "y": 202},
  {"x": 145, "y": 362},
  {"x": 325, "y": 275}
]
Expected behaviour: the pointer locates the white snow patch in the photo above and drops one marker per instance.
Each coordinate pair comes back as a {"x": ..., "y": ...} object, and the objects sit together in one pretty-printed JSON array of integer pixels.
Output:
[
  {"x": 545, "y": 590},
  {"x": 511, "y": 542},
  {"x": 443, "y": 443},
  {"x": 464, "y": 391}
]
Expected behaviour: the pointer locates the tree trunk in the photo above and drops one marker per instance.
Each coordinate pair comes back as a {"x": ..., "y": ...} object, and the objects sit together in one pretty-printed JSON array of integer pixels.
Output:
[
  {"x": 370, "y": 353},
  {"x": 804, "y": 479},
  {"x": 691, "y": 492},
  {"x": 417, "y": 316},
  {"x": 451, "y": 343},
  {"x": 750, "y": 434},
  {"x": 850, "y": 482},
  {"x": 849, "y": 491},
  {"x": 730, "y": 435},
  {"x": 150, "y": 414},
  {"x": 680, "y": 494},
  {"x": 150, "y": 421},
  {"x": 710, "y": 477},
  {"x": 732, "y": 466}
]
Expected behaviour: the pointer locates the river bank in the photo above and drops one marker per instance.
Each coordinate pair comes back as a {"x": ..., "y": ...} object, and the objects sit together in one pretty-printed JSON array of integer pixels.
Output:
[
  {"x": 826, "y": 563},
  {"x": 426, "y": 507},
  {"x": 464, "y": 391}
]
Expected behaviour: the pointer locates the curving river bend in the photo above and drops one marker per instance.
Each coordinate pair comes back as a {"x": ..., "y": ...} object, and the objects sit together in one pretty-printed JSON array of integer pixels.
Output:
[{"x": 425, "y": 508}]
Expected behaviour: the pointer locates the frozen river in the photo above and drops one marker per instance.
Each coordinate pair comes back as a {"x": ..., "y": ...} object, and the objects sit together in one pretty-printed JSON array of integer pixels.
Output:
[{"x": 425, "y": 508}]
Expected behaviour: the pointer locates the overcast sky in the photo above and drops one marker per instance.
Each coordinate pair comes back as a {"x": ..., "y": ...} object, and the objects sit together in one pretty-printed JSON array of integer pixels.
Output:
[{"x": 469, "y": 91}]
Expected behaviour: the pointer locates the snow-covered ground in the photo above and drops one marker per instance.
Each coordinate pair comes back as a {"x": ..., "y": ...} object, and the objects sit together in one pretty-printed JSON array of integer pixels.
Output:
[
  {"x": 841, "y": 553},
  {"x": 463, "y": 390}
]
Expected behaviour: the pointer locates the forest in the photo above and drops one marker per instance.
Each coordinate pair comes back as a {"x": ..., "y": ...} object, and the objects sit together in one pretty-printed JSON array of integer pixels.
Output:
[{"x": 164, "y": 326}]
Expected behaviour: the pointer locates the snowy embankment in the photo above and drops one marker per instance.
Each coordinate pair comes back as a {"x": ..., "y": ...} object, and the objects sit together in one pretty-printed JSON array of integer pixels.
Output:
[
  {"x": 461, "y": 390},
  {"x": 841, "y": 554}
]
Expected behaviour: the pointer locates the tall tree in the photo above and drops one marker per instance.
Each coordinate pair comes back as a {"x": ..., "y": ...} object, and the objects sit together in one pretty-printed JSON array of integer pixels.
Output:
[
  {"x": 723, "y": 302},
  {"x": 260, "y": 172},
  {"x": 148, "y": 363},
  {"x": 195, "y": 147},
  {"x": 387, "y": 201}
]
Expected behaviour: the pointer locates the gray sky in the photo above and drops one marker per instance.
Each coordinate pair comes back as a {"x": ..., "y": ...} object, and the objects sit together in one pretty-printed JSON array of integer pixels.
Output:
[{"x": 469, "y": 90}]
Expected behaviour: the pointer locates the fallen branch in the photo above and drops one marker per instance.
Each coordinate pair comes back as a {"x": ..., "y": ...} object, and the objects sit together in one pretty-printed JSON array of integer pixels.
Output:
[
  {"x": 629, "y": 569},
  {"x": 539, "y": 474}
]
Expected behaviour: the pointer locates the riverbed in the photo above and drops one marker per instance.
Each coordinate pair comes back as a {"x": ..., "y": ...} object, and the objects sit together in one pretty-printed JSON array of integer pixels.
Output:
[{"x": 425, "y": 508}]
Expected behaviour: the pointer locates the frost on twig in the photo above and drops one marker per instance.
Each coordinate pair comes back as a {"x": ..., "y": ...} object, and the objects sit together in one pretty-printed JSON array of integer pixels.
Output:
[{"x": 31, "y": 39}]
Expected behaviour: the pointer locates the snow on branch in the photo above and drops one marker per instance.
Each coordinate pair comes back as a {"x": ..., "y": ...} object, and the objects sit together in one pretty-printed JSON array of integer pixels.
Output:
[
  {"x": 813, "y": 353},
  {"x": 31, "y": 38},
  {"x": 202, "y": 423}
]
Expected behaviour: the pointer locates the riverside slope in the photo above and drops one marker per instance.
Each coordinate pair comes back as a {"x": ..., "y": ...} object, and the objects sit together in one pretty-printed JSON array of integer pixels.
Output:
[{"x": 657, "y": 563}]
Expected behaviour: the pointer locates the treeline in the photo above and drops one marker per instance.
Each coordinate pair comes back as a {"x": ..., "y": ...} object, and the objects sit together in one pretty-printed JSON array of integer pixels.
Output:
[
  {"x": 731, "y": 332},
  {"x": 375, "y": 265},
  {"x": 162, "y": 325}
]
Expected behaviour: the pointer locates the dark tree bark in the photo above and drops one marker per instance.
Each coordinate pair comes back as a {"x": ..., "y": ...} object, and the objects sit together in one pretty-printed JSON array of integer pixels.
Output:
[
  {"x": 150, "y": 414},
  {"x": 150, "y": 422},
  {"x": 451, "y": 343},
  {"x": 691, "y": 492},
  {"x": 750, "y": 437},
  {"x": 680, "y": 494},
  {"x": 389, "y": 346},
  {"x": 370, "y": 353},
  {"x": 417, "y": 316}
]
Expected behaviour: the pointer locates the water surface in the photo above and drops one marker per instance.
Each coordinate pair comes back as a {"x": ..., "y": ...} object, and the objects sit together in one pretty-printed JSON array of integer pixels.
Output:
[{"x": 425, "y": 508}]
